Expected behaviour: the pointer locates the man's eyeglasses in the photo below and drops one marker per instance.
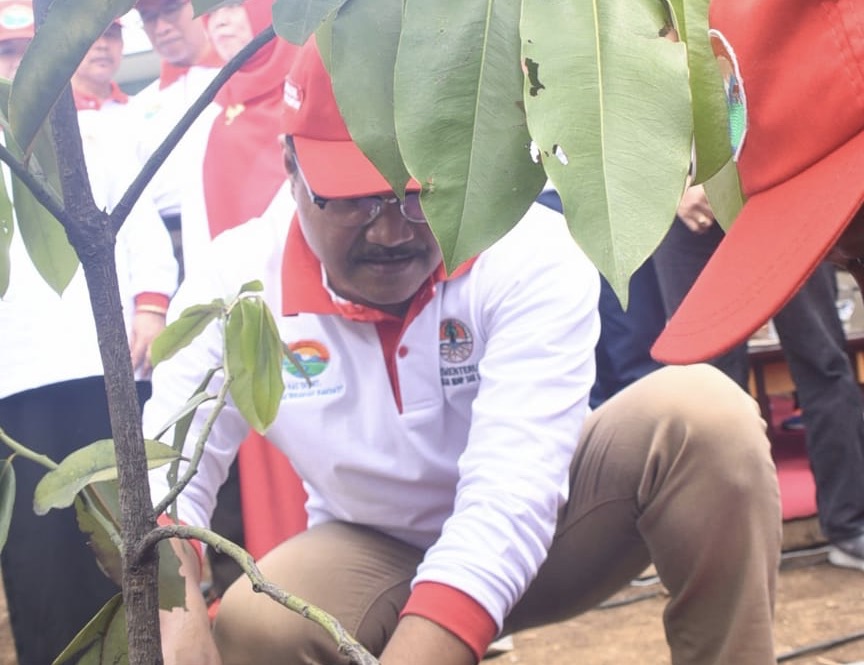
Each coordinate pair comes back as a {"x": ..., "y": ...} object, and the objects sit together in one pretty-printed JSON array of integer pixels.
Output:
[
  {"x": 363, "y": 210},
  {"x": 170, "y": 11}
]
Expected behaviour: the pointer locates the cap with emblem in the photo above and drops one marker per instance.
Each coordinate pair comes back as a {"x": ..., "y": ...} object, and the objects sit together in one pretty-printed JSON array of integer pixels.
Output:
[{"x": 794, "y": 73}]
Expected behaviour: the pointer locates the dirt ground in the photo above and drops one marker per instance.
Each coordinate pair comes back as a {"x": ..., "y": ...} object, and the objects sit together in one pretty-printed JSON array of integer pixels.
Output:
[{"x": 817, "y": 604}]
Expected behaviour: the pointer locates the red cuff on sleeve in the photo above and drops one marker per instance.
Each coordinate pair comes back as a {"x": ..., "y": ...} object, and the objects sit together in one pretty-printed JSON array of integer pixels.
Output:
[
  {"x": 456, "y": 611},
  {"x": 164, "y": 520},
  {"x": 152, "y": 299}
]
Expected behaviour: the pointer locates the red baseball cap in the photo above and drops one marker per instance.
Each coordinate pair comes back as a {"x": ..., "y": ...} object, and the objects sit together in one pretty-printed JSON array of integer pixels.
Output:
[
  {"x": 333, "y": 165},
  {"x": 16, "y": 20},
  {"x": 795, "y": 82}
]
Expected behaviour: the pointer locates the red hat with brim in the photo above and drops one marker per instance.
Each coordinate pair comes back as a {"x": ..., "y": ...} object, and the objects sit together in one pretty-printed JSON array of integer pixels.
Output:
[
  {"x": 799, "y": 72},
  {"x": 333, "y": 165}
]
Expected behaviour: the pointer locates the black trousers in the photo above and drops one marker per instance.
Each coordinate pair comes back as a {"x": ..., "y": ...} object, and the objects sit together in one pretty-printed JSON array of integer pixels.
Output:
[
  {"x": 53, "y": 584},
  {"x": 814, "y": 344}
]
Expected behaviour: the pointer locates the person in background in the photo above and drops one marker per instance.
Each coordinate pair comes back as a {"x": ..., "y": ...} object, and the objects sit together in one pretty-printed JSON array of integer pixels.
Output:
[
  {"x": 189, "y": 64},
  {"x": 52, "y": 392},
  {"x": 233, "y": 179},
  {"x": 800, "y": 167},
  {"x": 458, "y": 486}
]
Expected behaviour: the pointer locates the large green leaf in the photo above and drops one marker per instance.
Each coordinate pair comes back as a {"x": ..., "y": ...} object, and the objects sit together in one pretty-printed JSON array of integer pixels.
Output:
[
  {"x": 180, "y": 333},
  {"x": 296, "y": 21},
  {"x": 104, "y": 638},
  {"x": 253, "y": 356},
  {"x": 69, "y": 29},
  {"x": 202, "y": 7},
  {"x": 7, "y": 499},
  {"x": 710, "y": 116},
  {"x": 362, "y": 60},
  {"x": 43, "y": 236},
  {"x": 460, "y": 120},
  {"x": 609, "y": 108},
  {"x": 90, "y": 464}
]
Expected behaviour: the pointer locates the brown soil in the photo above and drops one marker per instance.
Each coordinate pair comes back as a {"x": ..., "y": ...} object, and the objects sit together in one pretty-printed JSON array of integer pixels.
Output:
[{"x": 817, "y": 603}]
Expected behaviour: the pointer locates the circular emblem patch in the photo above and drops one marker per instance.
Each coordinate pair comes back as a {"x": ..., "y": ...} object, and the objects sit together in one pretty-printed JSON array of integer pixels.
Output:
[
  {"x": 455, "y": 341},
  {"x": 312, "y": 356}
]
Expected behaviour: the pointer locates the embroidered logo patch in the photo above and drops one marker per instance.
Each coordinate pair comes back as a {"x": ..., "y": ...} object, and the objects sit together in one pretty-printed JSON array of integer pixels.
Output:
[
  {"x": 312, "y": 356},
  {"x": 736, "y": 98},
  {"x": 455, "y": 341}
]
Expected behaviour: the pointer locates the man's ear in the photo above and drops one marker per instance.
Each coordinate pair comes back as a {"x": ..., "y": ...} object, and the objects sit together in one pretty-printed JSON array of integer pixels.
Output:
[{"x": 288, "y": 155}]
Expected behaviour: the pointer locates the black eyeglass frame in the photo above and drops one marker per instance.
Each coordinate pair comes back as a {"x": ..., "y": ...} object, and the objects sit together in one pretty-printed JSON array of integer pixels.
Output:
[{"x": 374, "y": 212}]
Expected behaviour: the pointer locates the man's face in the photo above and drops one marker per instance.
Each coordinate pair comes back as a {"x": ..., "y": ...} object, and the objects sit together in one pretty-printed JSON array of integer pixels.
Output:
[
  {"x": 11, "y": 52},
  {"x": 381, "y": 264},
  {"x": 177, "y": 36},
  {"x": 103, "y": 59},
  {"x": 229, "y": 29}
]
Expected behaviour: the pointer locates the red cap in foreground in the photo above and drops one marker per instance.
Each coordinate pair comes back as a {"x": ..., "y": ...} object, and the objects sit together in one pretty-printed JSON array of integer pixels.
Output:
[{"x": 795, "y": 81}]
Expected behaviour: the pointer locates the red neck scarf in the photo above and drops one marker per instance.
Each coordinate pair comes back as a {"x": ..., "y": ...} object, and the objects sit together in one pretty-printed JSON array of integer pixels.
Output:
[
  {"x": 243, "y": 166},
  {"x": 85, "y": 101}
]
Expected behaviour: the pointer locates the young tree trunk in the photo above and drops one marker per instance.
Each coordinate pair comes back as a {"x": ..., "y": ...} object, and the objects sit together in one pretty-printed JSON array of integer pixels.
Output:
[{"x": 90, "y": 233}]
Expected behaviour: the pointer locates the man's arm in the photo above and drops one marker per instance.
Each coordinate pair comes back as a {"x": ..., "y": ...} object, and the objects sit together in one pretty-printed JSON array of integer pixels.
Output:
[
  {"x": 418, "y": 641},
  {"x": 186, "y": 635}
]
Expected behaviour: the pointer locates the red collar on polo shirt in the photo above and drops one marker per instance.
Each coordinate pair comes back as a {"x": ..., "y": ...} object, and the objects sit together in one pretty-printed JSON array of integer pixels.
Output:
[
  {"x": 303, "y": 290},
  {"x": 169, "y": 73},
  {"x": 85, "y": 102}
]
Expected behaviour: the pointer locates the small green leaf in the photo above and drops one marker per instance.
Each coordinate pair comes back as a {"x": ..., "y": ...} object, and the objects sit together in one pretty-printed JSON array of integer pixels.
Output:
[
  {"x": 99, "y": 516},
  {"x": 7, "y": 499},
  {"x": 45, "y": 239},
  {"x": 90, "y": 464},
  {"x": 105, "y": 635},
  {"x": 255, "y": 286},
  {"x": 97, "y": 510},
  {"x": 183, "y": 418},
  {"x": 179, "y": 334},
  {"x": 253, "y": 357},
  {"x": 296, "y": 21}
]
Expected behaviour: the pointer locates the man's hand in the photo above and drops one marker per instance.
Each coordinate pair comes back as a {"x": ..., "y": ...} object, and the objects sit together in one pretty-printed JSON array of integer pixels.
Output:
[
  {"x": 187, "y": 638},
  {"x": 145, "y": 327},
  {"x": 695, "y": 211}
]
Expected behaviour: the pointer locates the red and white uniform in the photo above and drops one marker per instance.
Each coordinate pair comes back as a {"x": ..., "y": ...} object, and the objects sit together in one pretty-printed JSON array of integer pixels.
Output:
[{"x": 452, "y": 431}]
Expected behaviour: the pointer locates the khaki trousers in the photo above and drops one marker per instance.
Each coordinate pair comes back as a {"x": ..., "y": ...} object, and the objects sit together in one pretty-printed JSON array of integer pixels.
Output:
[{"x": 675, "y": 470}]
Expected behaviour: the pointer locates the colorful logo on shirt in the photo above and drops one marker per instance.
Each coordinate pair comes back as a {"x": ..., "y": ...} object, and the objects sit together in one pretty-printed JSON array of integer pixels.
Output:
[
  {"x": 312, "y": 356},
  {"x": 455, "y": 341},
  {"x": 736, "y": 98}
]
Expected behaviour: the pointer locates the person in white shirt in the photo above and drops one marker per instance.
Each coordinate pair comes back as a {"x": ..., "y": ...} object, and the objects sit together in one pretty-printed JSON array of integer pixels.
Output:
[
  {"x": 52, "y": 391},
  {"x": 189, "y": 64},
  {"x": 458, "y": 486}
]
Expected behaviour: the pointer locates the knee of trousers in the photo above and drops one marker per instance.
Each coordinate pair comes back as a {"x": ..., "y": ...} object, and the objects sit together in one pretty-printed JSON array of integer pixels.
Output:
[
  {"x": 708, "y": 423},
  {"x": 253, "y": 628}
]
